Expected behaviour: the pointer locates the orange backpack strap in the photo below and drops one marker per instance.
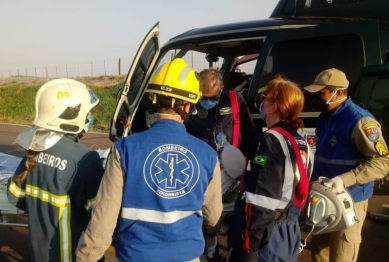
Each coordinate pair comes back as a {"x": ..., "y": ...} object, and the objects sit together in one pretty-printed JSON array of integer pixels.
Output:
[{"x": 235, "y": 114}]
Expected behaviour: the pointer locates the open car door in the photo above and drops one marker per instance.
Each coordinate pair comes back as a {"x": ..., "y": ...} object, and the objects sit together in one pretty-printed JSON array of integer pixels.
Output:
[{"x": 131, "y": 93}]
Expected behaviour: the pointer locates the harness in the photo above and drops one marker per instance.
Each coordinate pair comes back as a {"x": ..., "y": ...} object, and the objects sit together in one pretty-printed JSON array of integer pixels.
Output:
[{"x": 235, "y": 114}]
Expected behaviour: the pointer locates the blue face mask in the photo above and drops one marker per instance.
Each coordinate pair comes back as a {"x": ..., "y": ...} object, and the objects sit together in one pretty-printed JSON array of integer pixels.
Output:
[
  {"x": 91, "y": 120},
  {"x": 261, "y": 113},
  {"x": 208, "y": 104}
]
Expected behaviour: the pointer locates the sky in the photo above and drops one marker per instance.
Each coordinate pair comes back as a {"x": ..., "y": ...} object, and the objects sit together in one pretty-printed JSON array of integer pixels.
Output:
[{"x": 37, "y": 34}]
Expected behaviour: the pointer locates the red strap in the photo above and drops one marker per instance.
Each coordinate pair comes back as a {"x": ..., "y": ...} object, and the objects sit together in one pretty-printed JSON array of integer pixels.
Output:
[
  {"x": 235, "y": 114},
  {"x": 301, "y": 193}
]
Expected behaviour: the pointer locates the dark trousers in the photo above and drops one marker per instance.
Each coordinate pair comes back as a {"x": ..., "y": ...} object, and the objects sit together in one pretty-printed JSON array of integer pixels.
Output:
[{"x": 283, "y": 244}]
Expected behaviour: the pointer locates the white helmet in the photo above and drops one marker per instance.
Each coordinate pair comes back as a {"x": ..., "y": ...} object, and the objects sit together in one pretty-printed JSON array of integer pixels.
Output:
[{"x": 62, "y": 105}]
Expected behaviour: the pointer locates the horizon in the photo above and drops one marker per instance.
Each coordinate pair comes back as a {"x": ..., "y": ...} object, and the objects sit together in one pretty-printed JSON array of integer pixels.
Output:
[{"x": 53, "y": 38}]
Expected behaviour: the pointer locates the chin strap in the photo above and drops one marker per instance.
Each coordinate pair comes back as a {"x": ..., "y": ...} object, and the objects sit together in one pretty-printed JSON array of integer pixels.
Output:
[{"x": 184, "y": 116}]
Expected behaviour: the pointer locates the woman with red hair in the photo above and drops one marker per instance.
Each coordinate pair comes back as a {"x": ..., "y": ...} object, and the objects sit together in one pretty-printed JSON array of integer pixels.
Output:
[{"x": 275, "y": 187}]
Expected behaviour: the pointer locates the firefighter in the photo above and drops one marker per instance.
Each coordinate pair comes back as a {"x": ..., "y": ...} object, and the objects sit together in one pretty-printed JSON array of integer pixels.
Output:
[
  {"x": 163, "y": 182},
  {"x": 57, "y": 181},
  {"x": 274, "y": 190},
  {"x": 351, "y": 150}
]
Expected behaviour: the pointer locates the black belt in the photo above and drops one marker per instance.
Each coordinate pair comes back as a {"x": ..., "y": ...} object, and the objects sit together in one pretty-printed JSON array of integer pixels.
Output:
[{"x": 281, "y": 214}]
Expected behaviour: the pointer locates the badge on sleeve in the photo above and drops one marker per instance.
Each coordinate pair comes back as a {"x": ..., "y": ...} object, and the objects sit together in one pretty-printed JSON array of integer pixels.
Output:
[
  {"x": 259, "y": 160},
  {"x": 381, "y": 148},
  {"x": 371, "y": 131}
]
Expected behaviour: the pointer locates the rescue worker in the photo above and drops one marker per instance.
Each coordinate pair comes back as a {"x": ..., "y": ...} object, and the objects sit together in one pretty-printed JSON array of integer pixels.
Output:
[
  {"x": 163, "y": 182},
  {"x": 221, "y": 112},
  {"x": 350, "y": 150},
  {"x": 275, "y": 187},
  {"x": 214, "y": 112},
  {"x": 58, "y": 179}
]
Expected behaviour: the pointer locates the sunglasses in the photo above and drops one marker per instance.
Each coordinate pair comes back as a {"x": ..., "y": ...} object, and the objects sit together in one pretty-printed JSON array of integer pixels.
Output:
[{"x": 213, "y": 98}]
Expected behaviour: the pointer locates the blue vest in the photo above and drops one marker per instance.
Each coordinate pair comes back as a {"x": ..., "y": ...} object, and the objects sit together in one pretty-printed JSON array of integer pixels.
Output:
[
  {"x": 335, "y": 152},
  {"x": 167, "y": 172}
]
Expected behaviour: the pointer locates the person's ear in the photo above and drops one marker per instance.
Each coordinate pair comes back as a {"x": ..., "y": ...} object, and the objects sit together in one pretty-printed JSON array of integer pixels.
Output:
[{"x": 339, "y": 93}]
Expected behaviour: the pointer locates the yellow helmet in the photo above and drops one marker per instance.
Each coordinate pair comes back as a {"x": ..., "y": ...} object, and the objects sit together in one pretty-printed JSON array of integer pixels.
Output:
[{"x": 175, "y": 80}]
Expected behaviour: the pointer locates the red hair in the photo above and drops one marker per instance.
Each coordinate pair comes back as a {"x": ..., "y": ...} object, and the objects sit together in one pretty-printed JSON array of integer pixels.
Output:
[{"x": 289, "y": 99}]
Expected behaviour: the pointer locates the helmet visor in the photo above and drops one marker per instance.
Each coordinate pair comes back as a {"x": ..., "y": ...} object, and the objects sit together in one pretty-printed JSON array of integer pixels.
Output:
[{"x": 96, "y": 105}]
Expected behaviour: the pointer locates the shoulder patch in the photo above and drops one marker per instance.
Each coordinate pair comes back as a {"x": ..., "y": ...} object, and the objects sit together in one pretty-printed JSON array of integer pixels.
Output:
[
  {"x": 369, "y": 124},
  {"x": 381, "y": 148},
  {"x": 260, "y": 160},
  {"x": 225, "y": 111},
  {"x": 371, "y": 130},
  {"x": 372, "y": 133}
]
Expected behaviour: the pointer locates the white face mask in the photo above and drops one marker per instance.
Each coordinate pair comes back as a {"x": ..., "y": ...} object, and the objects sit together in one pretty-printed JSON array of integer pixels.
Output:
[{"x": 333, "y": 94}]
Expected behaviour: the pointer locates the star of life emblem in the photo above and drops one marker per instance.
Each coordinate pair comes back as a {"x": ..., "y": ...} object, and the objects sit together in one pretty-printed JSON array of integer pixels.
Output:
[{"x": 171, "y": 171}]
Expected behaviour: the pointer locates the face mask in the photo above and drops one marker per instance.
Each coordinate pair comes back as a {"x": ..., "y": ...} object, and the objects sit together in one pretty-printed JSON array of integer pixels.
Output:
[
  {"x": 208, "y": 104},
  {"x": 328, "y": 102},
  {"x": 261, "y": 113},
  {"x": 321, "y": 105},
  {"x": 91, "y": 120}
]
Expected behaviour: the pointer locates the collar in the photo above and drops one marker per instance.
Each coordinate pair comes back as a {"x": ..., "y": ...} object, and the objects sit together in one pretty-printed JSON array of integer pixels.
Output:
[
  {"x": 340, "y": 108},
  {"x": 168, "y": 123}
]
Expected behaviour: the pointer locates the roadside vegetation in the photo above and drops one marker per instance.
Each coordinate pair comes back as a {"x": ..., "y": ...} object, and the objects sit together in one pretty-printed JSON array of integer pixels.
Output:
[{"x": 17, "y": 100}]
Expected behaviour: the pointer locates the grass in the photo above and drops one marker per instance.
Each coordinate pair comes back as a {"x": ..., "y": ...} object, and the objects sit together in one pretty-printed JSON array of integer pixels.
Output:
[{"x": 17, "y": 101}]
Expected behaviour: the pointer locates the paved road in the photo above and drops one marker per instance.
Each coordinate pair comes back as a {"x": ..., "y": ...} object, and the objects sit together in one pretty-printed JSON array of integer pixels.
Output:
[{"x": 14, "y": 243}]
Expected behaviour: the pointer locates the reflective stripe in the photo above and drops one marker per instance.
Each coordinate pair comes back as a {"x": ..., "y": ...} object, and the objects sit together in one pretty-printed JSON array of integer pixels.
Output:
[
  {"x": 338, "y": 161},
  {"x": 63, "y": 203},
  {"x": 65, "y": 234},
  {"x": 184, "y": 73},
  {"x": 89, "y": 204},
  {"x": 290, "y": 172},
  {"x": 16, "y": 190},
  {"x": 156, "y": 216},
  {"x": 262, "y": 201},
  {"x": 46, "y": 196}
]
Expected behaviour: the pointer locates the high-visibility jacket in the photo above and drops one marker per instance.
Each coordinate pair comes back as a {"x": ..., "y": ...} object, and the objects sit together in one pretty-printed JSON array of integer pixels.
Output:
[{"x": 58, "y": 195}]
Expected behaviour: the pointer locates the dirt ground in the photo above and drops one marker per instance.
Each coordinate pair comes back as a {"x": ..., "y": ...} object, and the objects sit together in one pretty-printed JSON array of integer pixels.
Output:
[{"x": 14, "y": 244}]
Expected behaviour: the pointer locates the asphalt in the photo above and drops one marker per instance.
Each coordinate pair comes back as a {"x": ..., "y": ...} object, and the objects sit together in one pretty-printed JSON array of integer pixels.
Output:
[{"x": 14, "y": 241}]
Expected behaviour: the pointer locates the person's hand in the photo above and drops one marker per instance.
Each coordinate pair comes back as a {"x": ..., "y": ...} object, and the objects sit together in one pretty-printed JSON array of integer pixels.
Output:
[{"x": 337, "y": 185}]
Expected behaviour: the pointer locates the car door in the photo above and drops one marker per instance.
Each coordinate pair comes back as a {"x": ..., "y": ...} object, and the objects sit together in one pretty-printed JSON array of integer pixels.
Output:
[{"x": 130, "y": 95}]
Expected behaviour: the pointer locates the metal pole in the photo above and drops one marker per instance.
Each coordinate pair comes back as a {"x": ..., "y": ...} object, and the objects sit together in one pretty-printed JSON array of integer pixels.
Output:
[
  {"x": 18, "y": 76},
  {"x": 79, "y": 71},
  {"x": 120, "y": 65},
  {"x": 47, "y": 74}
]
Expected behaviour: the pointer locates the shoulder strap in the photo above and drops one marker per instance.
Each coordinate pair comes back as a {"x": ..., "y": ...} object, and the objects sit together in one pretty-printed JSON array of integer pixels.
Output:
[
  {"x": 302, "y": 186},
  {"x": 235, "y": 114}
]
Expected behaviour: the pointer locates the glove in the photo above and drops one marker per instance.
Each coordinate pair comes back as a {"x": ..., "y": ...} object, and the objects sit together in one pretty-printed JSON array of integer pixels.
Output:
[{"x": 337, "y": 185}]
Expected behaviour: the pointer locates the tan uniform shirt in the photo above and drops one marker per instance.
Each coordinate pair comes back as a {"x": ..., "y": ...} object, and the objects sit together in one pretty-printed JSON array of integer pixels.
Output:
[
  {"x": 374, "y": 149},
  {"x": 98, "y": 236}
]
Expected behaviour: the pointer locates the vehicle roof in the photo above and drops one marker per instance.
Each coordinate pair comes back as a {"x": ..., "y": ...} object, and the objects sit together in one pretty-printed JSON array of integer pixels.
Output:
[{"x": 235, "y": 29}]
